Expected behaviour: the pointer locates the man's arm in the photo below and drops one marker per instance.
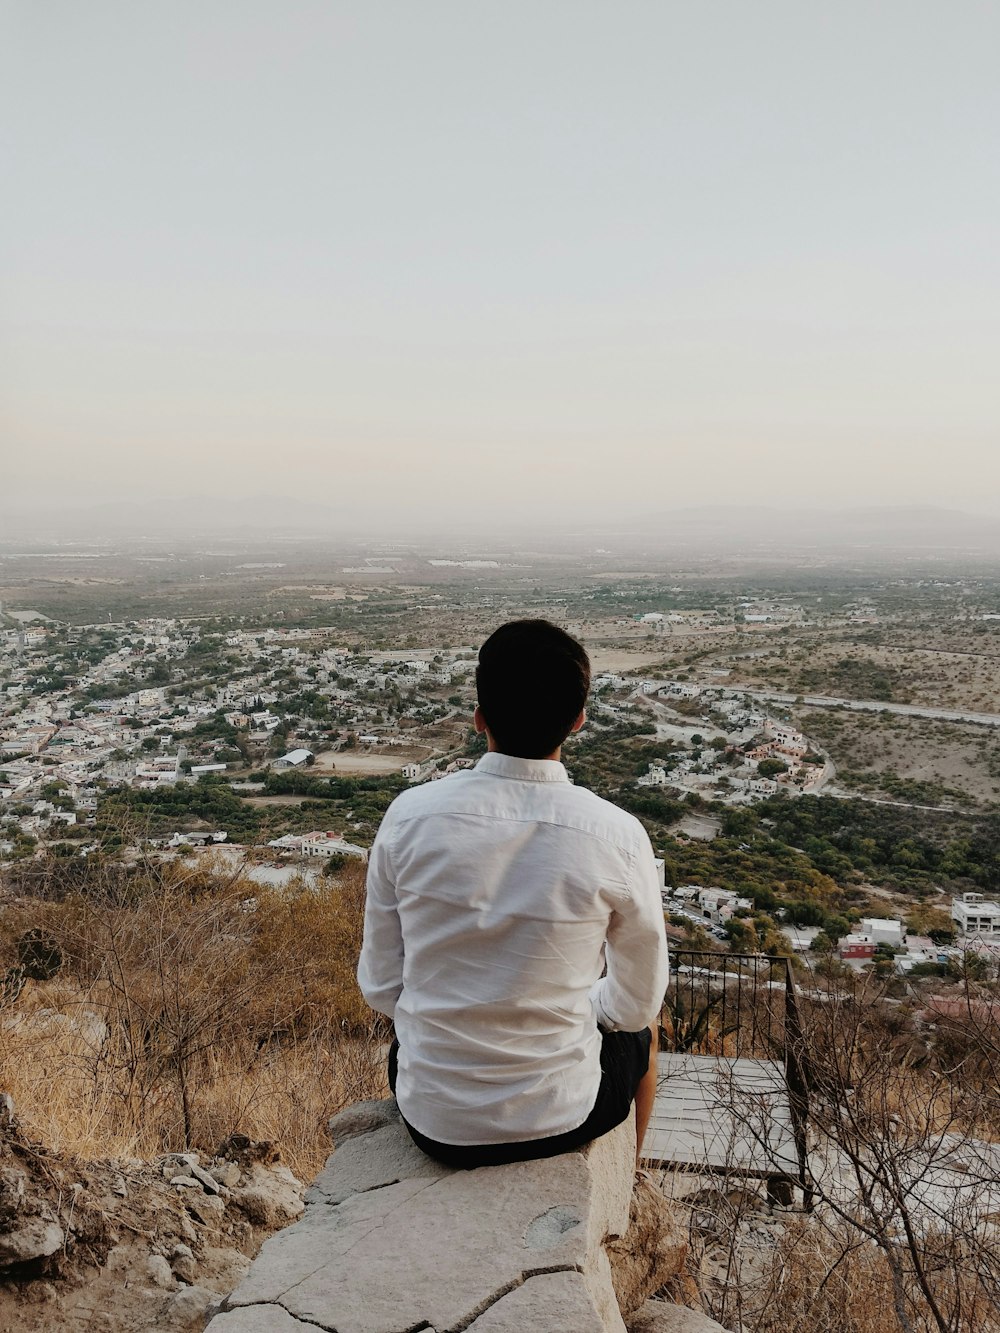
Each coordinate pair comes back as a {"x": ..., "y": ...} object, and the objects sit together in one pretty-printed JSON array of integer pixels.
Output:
[
  {"x": 380, "y": 969},
  {"x": 628, "y": 998}
]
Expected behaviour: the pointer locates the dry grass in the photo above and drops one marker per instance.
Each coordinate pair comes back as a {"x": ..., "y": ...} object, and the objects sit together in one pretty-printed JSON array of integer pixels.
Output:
[
  {"x": 188, "y": 1006},
  {"x": 767, "y": 1271},
  {"x": 828, "y": 1280}
]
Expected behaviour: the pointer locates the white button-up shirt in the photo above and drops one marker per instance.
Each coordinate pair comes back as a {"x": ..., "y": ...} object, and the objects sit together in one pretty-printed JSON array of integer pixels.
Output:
[{"x": 495, "y": 898}]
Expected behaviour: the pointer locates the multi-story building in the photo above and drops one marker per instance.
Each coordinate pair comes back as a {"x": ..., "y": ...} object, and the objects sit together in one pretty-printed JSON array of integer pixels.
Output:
[
  {"x": 975, "y": 915},
  {"x": 720, "y": 905}
]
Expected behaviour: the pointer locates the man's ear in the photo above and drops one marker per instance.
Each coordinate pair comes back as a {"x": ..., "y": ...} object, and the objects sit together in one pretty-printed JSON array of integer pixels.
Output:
[
  {"x": 478, "y": 721},
  {"x": 579, "y": 721}
]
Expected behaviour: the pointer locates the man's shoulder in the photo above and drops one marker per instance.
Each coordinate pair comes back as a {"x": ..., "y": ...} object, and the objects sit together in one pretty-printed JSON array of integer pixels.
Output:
[
  {"x": 428, "y": 796},
  {"x": 604, "y": 819}
]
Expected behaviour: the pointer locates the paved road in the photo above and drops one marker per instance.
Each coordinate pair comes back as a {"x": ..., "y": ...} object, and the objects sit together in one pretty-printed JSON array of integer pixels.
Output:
[{"x": 875, "y": 706}]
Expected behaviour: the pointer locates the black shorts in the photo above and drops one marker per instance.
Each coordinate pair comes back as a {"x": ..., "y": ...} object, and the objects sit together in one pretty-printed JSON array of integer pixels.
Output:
[{"x": 624, "y": 1061}]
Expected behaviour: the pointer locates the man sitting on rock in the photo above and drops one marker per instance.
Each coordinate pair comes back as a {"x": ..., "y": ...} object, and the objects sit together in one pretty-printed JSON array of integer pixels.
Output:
[{"x": 497, "y": 897}]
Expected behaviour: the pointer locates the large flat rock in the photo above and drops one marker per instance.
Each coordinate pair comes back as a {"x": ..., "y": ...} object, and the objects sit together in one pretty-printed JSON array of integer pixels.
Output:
[
  {"x": 391, "y": 1241},
  {"x": 432, "y": 1248},
  {"x": 546, "y": 1301},
  {"x": 371, "y": 1161},
  {"x": 258, "y": 1319}
]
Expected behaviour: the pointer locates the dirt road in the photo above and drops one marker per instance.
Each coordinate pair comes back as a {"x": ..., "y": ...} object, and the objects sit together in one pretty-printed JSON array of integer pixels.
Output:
[{"x": 874, "y": 706}]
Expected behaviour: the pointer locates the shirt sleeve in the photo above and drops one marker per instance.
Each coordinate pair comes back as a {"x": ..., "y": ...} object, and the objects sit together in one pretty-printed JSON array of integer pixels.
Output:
[
  {"x": 380, "y": 968},
  {"x": 629, "y": 996}
]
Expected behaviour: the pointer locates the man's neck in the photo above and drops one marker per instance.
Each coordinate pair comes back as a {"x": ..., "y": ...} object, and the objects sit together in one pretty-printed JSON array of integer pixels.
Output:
[{"x": 493, "y": 748}]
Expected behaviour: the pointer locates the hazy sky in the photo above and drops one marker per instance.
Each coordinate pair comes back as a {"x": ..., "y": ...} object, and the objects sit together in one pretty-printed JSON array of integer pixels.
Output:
[{"x": 476, "y": 256}]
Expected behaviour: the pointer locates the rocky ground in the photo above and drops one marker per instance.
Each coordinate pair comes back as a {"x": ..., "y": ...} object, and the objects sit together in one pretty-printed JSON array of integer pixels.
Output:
[{"x": 131, "y": 1246}]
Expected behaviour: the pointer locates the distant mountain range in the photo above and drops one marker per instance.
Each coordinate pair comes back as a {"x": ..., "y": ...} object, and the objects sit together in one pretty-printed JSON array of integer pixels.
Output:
[
  {"x": 723, "y": 529},
  {"x": 199, "y": 515},
  {"x": 924, "y": 528}
]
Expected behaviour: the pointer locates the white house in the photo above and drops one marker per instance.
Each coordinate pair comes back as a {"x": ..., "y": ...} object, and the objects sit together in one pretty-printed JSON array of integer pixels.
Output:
[
  {"x": 411, "y": 772},
  {"x": 785, "y": 735},
  {"x": 882, "y": 930},
  {"x": 680, "y": 689},
  {"x": 920, "y": 949},
  {"x": 719, "y": 905},
  {"x": 265, "y": 721},
  {"x": 975, "y": 915},
  {"x": 325, "y": 844},
  {"x": 609, "y": 679},
  {"x": 196, "y": 839},
  {"x": 161, "y": 769}
]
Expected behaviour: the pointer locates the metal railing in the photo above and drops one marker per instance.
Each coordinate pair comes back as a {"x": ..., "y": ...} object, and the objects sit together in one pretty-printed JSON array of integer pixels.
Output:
[{"x": 740, "y": 1006}]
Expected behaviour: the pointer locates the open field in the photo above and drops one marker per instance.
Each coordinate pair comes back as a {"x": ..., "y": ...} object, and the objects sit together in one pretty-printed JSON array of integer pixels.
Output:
[
  {"x": 622, "y": 658},
  {"x": 367, "y": 762},
  {"x": 924, "y": 666},
  {"x": 445, "y": 734},
  {"x": 872, "y": 750}
]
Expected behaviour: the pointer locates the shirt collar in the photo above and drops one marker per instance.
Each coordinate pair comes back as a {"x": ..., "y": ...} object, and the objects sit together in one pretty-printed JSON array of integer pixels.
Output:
[{"x": 525, "y": 770}]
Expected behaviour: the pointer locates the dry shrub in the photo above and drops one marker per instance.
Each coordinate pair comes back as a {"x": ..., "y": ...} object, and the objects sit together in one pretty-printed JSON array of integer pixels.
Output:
[
  {"x": 783, "y": 1272},
  {"x": 319, "y": 978},
  {"x": 820, "y": 1280},
  {"x": 191, "y": 1004},
  {"x": 898, "y": 1169},
  {"x": 904, "y": 1237}
]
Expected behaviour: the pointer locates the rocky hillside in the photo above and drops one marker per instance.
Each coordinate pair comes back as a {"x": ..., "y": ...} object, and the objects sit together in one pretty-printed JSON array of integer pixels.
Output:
[{"x": 131, "y": 1245}]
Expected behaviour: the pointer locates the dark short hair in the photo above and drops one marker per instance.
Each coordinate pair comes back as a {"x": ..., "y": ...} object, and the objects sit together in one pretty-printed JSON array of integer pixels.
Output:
[{"x": 532, "y": 680}]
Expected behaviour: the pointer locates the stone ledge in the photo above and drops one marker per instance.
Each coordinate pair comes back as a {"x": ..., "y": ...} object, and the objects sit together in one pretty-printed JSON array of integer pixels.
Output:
[{"x": 391, "y": 1242}]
